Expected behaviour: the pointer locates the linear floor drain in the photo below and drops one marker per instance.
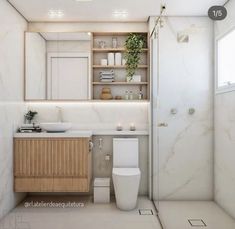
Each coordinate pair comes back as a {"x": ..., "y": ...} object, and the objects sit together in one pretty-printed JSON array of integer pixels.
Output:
[
  {"x": 196, "y": 222},
  {"x": 145, "y": 211}
]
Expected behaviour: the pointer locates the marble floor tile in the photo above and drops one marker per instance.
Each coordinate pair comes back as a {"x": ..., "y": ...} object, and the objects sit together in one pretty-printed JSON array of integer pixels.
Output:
[
  {"x": 176, "y": 215},
  {"x": 91, "y": 216}
]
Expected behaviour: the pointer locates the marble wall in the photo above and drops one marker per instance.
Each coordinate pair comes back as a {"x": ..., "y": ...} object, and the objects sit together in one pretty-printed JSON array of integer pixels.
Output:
[
  {"x": 183, "y": 151},
  {"x": 11, "y": 98},
  {"x": 225, "y": 132},
  {"x": 95, "y": 115}
]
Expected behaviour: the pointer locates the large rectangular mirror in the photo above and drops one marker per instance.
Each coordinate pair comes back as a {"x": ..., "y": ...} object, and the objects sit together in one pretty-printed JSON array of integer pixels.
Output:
[{"x": 57, "y": 66}]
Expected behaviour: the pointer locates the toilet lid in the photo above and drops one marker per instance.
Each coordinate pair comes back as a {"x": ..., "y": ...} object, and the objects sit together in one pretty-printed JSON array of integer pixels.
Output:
[{"x": 126, "y": 171}]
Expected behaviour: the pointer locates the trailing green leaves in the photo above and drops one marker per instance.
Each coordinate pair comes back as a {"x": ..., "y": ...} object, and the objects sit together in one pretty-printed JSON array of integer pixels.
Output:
[{"x": 134, "y": 44}]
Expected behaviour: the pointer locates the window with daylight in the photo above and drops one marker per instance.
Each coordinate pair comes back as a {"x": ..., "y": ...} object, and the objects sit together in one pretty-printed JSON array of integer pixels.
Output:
[{"x": 226, "y": 62}]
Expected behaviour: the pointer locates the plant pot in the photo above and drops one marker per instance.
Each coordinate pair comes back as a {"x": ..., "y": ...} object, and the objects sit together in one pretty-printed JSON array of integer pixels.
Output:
[{"x": 129, "y": 79}]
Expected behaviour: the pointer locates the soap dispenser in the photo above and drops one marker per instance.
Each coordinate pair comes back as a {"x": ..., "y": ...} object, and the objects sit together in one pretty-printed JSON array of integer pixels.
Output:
[{"x": 141, "y": 95}]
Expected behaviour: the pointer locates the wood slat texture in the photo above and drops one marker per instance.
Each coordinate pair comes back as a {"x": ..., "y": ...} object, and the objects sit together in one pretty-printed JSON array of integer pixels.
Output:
[
  {"x": 52, "y": 164},
  {"x": 51, "y": 184}
]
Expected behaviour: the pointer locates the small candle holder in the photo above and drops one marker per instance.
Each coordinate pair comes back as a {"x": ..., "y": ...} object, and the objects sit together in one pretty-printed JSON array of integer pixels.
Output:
[
  {"x": 119, "y": 127},
  {"x": 132, "y": 127}
]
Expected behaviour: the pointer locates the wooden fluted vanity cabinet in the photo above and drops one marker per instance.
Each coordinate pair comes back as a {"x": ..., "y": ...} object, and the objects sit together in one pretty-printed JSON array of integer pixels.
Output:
[{"x": 52, "y": 164}]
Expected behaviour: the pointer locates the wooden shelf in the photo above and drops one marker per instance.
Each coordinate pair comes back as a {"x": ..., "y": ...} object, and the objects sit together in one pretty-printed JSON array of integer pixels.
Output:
[
  {"x": 113, "y": 50},
  {"x": 117, "y": 66},
  {"x": 120, "y": 83},
  {"x": 121, "y": 100},
  {"x": 116, "y": 33}
]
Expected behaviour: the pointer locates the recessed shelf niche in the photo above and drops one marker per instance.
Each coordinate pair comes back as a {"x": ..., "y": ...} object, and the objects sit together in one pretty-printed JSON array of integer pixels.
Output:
[{"x": 120, "y": 85}]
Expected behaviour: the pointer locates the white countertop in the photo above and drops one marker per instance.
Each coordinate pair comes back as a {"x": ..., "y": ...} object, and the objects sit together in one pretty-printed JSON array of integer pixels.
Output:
[
  {"x": 67, "y": 134},
  {"x": 123, "y": 132},
  {"x": 80, "y": 134}
]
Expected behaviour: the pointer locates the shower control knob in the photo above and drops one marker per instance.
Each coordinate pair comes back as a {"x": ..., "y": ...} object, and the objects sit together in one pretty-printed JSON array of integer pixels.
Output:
[{"x": 162, "y": 124}]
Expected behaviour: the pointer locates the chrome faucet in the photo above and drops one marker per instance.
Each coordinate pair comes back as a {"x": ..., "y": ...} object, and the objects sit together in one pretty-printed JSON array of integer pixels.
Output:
[{"x": 59, "y": 114}]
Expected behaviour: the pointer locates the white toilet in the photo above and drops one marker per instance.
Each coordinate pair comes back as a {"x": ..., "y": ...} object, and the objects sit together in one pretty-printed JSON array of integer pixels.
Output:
[{"x": 126, "y": 172}]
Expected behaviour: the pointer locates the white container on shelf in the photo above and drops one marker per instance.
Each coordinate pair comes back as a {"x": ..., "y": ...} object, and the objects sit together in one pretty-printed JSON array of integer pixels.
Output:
[
  {"x": 111, "y": 58},
  {"x": 118, "y": 58},
  {"x": 104, "y": 62},
  {"x": 123, "y": 61},
  {"x": 114, "y": 42},
  {"x": 136, "y": 78},
  {"x": 102, "y": 190}
]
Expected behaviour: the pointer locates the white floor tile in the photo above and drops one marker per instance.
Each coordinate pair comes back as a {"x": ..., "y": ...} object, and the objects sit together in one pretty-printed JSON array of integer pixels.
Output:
[
  {"x": 175, "y": 215},
  {"x": 91, "y": 216}
]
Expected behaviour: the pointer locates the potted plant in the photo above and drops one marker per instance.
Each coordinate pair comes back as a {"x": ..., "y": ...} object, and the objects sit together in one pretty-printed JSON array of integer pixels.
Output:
[
  {"x": 29, "y": 116},
  {"x": 133, "y": 45}
]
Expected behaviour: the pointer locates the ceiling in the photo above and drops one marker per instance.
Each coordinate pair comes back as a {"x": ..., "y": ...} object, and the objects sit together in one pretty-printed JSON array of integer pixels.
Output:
[{"x": 109, "y": 10}]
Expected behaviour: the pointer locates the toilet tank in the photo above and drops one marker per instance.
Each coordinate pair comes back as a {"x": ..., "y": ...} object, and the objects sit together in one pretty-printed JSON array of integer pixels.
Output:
[{"x": 125, "y": 153}]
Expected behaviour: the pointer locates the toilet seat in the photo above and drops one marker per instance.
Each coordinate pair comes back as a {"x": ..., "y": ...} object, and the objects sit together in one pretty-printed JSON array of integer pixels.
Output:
[{"x": 126, "y": 171}]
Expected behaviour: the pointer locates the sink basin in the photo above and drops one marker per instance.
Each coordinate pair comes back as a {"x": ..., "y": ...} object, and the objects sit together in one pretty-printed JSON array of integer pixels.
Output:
[{"x": 56, "y": 127}]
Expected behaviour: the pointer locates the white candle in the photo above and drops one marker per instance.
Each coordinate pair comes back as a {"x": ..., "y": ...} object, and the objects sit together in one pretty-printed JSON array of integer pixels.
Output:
[
  {"x": 132, "y": 127},
  {"x": 119, "y": 127}
]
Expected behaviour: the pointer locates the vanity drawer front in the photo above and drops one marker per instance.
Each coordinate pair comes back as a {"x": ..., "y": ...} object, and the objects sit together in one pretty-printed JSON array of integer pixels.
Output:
[
  {"x": 52, "y": 157},
  {"x": 33, "y": 157},
  {"x": 70, "y": 157}
]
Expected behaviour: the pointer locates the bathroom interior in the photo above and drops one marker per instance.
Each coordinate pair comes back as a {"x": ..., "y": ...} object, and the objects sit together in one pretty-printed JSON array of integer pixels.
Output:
[{"x": 117, "y": 114}]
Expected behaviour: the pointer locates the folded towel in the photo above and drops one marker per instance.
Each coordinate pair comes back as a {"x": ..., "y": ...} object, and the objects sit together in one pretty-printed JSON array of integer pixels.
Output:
[
  {"x": 107, "y": 80},
  {"x": 111, "y": 72},
  {"x": 106, "y": 77}
]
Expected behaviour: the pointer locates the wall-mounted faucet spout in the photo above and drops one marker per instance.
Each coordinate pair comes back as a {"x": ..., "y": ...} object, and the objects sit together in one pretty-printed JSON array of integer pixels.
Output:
[{"x": 59, "y": 114}]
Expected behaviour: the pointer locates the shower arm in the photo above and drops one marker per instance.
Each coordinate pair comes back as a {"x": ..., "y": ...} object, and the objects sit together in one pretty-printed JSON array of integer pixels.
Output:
[{"x": 163, "y": 7}]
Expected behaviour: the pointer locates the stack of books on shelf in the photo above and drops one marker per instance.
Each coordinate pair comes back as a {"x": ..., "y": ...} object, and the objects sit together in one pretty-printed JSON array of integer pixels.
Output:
[{"x": 107, "y": 76}]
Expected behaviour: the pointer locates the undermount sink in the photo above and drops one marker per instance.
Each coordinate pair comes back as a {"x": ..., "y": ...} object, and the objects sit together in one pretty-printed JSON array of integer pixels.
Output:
[{"x": 55, "y": 127}]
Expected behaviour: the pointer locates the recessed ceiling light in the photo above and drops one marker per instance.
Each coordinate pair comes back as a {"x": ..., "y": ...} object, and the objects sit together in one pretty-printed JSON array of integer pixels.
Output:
[
  {"x": 56, "y": 13},
  {"x": 120, "y": 14},
  {"x": 89, "y": 33}
]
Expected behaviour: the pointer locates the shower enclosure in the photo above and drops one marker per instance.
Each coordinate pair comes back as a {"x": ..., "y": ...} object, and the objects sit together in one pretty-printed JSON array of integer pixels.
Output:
[{"x": 182, "y": 120}]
